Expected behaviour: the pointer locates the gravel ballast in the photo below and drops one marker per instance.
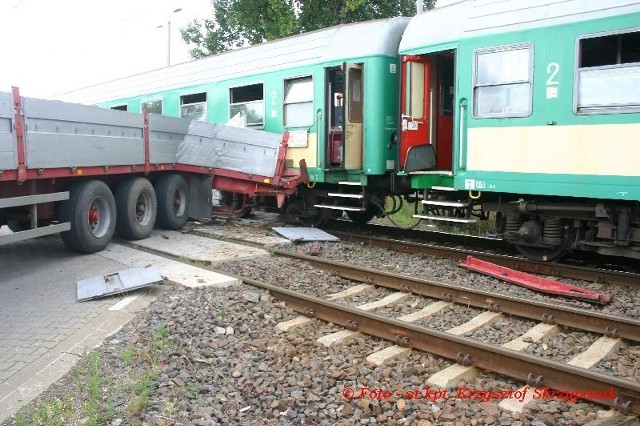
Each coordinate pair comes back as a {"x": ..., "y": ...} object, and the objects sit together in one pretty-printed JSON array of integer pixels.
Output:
[{"x": 215, "y": 357}]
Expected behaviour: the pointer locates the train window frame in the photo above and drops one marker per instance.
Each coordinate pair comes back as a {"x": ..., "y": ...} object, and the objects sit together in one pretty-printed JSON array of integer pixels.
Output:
[
  {"x": 152, "y": 100},
  {"x": 203, "y": 113},
  {"x": 121, "y": 107},
  {"x": 298, "y": 102},
  {"x": 256, "y": 125},
  {"x": 527, "y": 83},
  {"x": 415, "y": 91},
  {"x": 355, "y": 97},
  {"x": 607, "y": 71}
]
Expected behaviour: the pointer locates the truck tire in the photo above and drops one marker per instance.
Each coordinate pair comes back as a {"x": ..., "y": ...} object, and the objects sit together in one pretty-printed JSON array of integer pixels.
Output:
[
  {"x": 173, "y": 201},
  {"x": 91, "y": 210},
  {"x": 136, "y": 205}
]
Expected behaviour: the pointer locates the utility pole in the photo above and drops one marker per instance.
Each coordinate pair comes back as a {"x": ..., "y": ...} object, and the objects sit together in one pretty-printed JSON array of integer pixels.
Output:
[{"x": 169, "y": 36}]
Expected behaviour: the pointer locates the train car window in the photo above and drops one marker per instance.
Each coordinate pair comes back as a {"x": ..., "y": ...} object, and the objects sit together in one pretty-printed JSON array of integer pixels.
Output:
[
  {"x": 247, "y": 103},
  {"x": 119, "y": 107},
  {"x": 608, "y": 74},
  {"x": 194, "y": 106},
  {"x": 503, "y": 81},
  {"x": 415, "y": 91},
  {"x": 355, "y": 95},
  {"x": 153, "y": 106},
  {"x": 298, "y": 102}
]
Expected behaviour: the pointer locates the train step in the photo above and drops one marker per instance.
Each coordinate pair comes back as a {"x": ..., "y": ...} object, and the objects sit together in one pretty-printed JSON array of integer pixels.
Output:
[
  {"x": 443, "y": 188},
  {"x": 351, "y": 183},
  {"x": 445, "y": 219},
  {"x": 331, "y": 207},
  {"x": 445, "y": 203},
  {"x": 346, "y": 195}
]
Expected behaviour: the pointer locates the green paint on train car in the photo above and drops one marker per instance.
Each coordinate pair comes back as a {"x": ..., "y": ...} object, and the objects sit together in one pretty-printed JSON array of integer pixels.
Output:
[{"x": 564, "y": 120}]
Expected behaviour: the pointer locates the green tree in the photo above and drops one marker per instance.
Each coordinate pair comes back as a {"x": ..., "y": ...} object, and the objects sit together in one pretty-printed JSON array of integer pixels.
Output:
[{"x": 238, "y": 23}]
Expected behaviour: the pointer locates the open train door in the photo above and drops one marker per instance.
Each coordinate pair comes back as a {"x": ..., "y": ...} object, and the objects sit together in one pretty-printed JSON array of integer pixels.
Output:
[
  {"x": 416, "y": 151},
  {"x": 354, "y": 108}
]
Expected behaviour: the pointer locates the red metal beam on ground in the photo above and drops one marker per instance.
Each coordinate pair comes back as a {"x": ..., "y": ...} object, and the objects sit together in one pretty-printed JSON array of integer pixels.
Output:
[{"x": 533, "y": 282}]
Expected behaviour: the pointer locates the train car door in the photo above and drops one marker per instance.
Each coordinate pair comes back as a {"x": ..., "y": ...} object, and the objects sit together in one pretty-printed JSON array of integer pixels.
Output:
[
  {"x": 416, "y": 153},
  {"x": 334, "y": 125},
  {"x": 427, "y": 112},
  {"x": 354, "y": 115}
]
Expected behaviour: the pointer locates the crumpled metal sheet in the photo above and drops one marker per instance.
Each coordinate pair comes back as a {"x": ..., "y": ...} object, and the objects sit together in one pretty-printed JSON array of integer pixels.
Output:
[{"x": 247, "y": 151}]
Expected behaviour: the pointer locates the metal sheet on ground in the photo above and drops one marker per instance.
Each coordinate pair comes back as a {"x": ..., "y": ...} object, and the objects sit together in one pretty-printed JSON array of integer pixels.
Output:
[
  {"x": 305, "y": 234},
  {"x": 119, "y": 282}
]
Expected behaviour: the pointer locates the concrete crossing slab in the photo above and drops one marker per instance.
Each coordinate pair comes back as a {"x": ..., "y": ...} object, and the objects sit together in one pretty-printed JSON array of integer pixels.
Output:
[{"x": 196, "y": 248}]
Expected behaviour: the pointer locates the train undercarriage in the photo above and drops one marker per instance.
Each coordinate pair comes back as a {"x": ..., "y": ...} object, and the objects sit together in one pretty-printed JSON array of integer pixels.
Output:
[
  {"x": 543, "y": 229},
  {"x": 546, "y": 229}
]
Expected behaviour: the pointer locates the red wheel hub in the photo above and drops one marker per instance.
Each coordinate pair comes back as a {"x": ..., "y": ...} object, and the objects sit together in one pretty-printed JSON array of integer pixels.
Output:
[{"x": 94, "y": 216}]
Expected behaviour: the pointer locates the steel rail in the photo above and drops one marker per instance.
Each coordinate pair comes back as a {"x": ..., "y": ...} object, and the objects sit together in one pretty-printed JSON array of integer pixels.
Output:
[
  {"x": 489, "y": 243},
  {"x": 609, "y": 325},
  {"x": 536, "y": 371},
  {"x": 520, "y": 264}
]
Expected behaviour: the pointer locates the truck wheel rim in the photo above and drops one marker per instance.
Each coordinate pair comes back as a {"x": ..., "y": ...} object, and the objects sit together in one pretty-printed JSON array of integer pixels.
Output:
[
  {"x": 143, "y": 209},
  {"x": 179, "y": 203},
  {"x": 99, "y": 217}
]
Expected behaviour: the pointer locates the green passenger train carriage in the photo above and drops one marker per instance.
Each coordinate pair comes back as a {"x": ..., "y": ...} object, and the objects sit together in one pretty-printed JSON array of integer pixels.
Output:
[
  {"x": 529, "y": 109},
  {"x": 335, "y": 91}
]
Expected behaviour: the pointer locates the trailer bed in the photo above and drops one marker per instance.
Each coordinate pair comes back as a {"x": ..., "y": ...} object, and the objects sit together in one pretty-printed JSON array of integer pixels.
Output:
[{"x": 59, "y": 135}]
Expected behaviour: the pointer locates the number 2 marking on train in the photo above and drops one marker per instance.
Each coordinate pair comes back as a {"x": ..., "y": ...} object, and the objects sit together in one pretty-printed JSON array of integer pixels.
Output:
[
  {"x": 553, "y": 69},
  {"x": 274, "y": 96}
]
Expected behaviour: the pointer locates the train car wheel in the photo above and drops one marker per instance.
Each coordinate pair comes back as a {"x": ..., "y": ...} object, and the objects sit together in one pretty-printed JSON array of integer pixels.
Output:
[
  {"x": 137, "y": 208},
  {"x": 361, "y": 218},
  {"x": 91, "y": 210},
  {"x": 172, "y": 192},
  {"x": 547, "y": 254},
  {"x": 316, "y": 217},
  {"x": 553, "y": 231},
  {"x": 542, "y": 254}
]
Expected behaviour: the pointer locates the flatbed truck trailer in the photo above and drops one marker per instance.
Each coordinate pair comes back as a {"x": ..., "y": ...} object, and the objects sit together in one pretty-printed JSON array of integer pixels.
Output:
[{"x": 89, "y": 172}]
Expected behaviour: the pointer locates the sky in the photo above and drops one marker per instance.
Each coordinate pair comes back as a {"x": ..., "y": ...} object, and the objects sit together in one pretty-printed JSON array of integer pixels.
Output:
[{"x": 49, "y": 47}]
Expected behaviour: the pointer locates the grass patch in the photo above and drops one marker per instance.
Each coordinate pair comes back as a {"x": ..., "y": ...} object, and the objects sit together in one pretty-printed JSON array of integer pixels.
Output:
[
  {"x": 142, "y": 391},
  {"x": 128, "y": 354},
  {"x": 93, "y": 394},
  {"x": 48, "y": 412}
]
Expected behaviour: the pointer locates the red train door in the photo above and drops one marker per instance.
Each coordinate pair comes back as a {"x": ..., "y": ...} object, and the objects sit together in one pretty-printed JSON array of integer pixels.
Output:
[{"x": 415, "y": 109}]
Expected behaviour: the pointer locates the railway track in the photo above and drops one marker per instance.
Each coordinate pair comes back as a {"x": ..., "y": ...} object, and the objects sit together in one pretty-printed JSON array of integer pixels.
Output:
[
  {"x": 546, "y": 312},
  {"x": 518, "y": 263},
  {"x": 534, "y": 371}
]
